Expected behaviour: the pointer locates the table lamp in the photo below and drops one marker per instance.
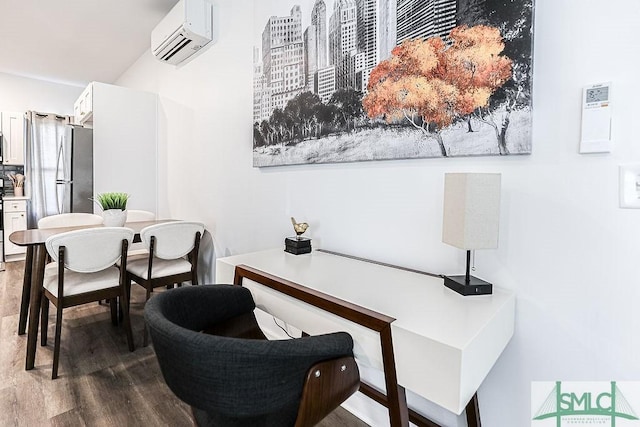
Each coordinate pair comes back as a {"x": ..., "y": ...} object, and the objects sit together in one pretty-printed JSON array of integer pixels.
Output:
[{"x": 470, "y": 222}]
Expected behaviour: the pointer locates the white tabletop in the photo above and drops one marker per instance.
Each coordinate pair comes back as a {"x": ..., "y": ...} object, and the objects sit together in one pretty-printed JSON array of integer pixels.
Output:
[{"x": 444, "y": 343}]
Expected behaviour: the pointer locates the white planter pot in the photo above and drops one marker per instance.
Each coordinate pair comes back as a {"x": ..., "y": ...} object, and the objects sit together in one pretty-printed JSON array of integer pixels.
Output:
[{"x": 114, "y": 217}]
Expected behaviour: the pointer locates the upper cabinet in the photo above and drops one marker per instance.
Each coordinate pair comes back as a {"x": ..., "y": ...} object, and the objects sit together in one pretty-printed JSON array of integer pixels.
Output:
[
  {"x": 12, "y": 138},
  {"x": 83, "y": 107}
]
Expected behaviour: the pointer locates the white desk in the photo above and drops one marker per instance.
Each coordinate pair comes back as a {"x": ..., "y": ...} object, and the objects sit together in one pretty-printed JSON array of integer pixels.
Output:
[{"x": 445, "y": 344}]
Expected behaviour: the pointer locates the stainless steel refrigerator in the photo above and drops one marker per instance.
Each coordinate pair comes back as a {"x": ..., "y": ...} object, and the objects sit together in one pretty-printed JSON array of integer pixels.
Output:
[
  {"x": 74, "y": 170},
  {"x": 58, "y": 167}
]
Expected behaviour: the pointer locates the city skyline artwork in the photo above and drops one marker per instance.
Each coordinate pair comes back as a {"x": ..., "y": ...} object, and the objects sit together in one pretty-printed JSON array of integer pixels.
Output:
[{"x": 359, "y": 80}]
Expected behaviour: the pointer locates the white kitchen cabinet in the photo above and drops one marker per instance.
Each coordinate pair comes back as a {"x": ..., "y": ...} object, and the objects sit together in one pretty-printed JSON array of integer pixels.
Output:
[
  {"x": 13, "y": 138},
  {"x": 15, "y": 219},
  {"x": 124, "y": 123},
  {"x": 83, "y": 107}
]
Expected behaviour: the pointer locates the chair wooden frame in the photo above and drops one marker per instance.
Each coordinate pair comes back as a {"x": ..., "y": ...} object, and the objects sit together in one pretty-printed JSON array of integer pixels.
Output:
[
  {"x": 150, "y": 283},
  {"x": 62, "y": 302},
  {"x": 327, "y": 385}
]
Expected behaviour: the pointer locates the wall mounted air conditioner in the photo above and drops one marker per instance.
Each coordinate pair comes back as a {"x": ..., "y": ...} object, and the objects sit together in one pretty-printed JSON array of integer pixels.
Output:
[{"x": 184, "y": 31}]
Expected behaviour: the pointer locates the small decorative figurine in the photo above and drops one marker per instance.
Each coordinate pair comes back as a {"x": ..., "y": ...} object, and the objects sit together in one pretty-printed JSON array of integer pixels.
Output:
[
  {"x": 299, "y": 227},
  {"x": 298, "y": 245}
]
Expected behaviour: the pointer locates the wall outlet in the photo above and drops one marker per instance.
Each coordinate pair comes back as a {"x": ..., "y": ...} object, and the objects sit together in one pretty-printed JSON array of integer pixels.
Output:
[{"x": 630, "y": 186}]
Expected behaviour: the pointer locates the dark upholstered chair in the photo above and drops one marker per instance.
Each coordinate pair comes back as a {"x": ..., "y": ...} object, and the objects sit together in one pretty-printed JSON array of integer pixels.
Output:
[{"x": 214, "y": 357}]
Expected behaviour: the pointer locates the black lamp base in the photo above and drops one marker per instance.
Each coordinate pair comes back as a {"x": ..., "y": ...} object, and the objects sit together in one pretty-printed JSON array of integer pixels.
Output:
[{"x": 474, "y": 286}]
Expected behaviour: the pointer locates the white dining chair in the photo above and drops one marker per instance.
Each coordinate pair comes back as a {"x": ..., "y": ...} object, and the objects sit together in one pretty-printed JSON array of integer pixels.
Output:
[
  {"x": 73, "y": 219},
  {"x": 69, "y": 220},
  {"x": 173, "y": 257},
  {"x": 62, "y": 220},
  {"x": 83, "y": 270}
]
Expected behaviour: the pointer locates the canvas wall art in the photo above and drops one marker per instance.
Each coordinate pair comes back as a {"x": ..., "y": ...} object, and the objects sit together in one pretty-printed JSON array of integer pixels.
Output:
[{"x": 357, "y": 80}]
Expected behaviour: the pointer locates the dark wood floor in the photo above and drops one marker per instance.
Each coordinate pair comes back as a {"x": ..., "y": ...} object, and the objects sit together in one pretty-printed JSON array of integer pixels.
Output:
[{"x": 101, "y": 383}]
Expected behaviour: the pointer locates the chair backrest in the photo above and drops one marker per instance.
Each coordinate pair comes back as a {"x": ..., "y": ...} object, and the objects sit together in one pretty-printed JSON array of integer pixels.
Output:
[
  {"x": 236, "y": 381},
  {"x": 69, "y": 220},
  {"x": 134, "y": 215},
  {"x": 89, "y": 250},
  {"x": 172, "y": 239}
]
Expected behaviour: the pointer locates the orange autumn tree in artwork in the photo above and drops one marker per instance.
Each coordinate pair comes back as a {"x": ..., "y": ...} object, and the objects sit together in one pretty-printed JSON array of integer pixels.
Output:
[{"x": 430, "y": 83}]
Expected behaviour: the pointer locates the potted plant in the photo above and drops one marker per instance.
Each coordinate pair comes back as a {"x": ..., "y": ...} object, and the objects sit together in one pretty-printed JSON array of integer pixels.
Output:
[{"x": 114, "y": 208}]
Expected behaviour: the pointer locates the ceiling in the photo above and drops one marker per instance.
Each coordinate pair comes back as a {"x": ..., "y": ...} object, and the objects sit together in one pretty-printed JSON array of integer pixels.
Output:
[{"x": 76, "y": 41}]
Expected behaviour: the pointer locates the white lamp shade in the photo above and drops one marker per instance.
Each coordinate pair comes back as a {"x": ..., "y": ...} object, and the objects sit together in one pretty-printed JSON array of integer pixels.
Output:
[{"x": 471, "y": 210}]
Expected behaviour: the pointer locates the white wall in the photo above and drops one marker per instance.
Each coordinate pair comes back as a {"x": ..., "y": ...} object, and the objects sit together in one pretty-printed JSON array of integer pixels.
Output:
[
  {"x": 23, "y": 94},
  {"x": 566, "y": 248}
]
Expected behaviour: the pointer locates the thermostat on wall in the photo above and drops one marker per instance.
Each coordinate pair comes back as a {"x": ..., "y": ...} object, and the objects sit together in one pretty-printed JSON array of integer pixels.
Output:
[{"x": 596, "y": 119}]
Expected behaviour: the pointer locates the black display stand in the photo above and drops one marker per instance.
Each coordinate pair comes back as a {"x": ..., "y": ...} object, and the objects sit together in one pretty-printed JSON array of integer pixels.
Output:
[{"x": 297, "y": 245}]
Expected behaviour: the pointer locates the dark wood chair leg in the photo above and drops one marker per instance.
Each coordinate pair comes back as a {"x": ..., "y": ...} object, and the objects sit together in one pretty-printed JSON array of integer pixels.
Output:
[
  {"x": 56, "y": 348},
  {"x": 128, "y": 283},
  {"x": 145, "y": 333},
  {"x": 127, "y": 291},
  {"x": 124, "y": 309},
  {"x": 44, "y": 321},
  {"x": 113, "y": 306}
]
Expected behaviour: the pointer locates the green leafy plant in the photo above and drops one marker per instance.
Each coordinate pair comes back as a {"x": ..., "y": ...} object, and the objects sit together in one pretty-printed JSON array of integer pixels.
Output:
[{"x": 112, "y": 201}]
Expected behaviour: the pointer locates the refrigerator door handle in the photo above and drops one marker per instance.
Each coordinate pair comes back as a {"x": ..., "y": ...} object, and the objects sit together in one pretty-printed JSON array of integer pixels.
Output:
[
  {"x": 58, "y": 180},
  {"x": 63, "y": 180},
  {"x": 58, "y": 205},
  {"x": 62, "y": 171},
  {"x": 60, "y": 155}
]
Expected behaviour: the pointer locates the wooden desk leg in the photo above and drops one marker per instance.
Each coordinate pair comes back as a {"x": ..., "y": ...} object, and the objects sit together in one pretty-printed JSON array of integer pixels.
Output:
[
  {"x": 26, "y": 291},
  {"x": 396, "y": 395},
  {"x": 473, "y": 412},
  {"x": 34, "y": 307}
]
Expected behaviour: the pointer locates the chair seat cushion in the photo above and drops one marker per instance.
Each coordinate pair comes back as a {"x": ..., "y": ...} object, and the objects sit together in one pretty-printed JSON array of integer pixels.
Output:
[
  {"x": 161, "y": 267},
  {"x": 80, "y": 283}
]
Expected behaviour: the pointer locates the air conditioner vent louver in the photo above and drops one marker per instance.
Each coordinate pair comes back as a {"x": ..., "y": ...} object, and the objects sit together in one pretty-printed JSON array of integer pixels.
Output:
[
  {"x": 171, "y": 49},
  {"x": 185, "y": 30}
]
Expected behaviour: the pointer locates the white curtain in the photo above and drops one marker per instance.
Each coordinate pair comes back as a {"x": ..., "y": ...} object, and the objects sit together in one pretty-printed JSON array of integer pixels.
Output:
[{"x": 45, "y": 132}]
